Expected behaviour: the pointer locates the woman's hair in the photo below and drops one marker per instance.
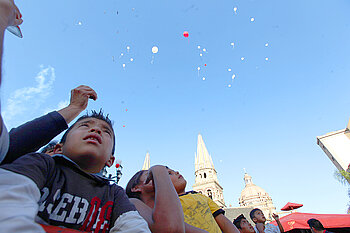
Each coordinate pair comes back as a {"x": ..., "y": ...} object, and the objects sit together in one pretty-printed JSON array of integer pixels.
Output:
[{"x": 133, "y": 182}]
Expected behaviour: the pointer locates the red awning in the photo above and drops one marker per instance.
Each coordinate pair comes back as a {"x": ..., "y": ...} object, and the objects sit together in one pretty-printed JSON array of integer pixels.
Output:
[
  {"x": 299, "y": 220},
  {"x": 291, "y": 206}
]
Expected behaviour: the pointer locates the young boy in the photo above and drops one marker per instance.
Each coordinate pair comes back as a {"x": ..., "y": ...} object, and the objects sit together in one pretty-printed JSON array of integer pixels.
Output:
[
  {"x": 71, "y": 194},
  {"x": 259, "y": 219},
  {"x": 243, "y": 225},
  {"x": 199, "y": 211}
]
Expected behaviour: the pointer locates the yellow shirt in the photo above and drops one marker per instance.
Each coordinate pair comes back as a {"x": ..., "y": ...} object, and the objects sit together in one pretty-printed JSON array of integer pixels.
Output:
[{"x": 200, "y": 211}]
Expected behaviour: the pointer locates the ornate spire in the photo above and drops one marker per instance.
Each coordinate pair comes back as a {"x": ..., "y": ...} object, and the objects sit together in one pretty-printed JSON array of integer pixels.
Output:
[
  {"x": 202, "y": 158},
  {"x": 147, "y": 162}
]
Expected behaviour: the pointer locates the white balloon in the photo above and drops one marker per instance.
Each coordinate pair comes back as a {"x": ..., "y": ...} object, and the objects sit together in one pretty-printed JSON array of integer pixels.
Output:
[
  {"x": 123, "y": 65},
  {"x": 128, "y": 47},
  {"x": 198, "y": 47},
  {"x": 198, "y": 68},
  {"x": 267, "y": 44},
  {"x": 235, "y": 9},
  {"x": 242, "y": 58},
  {"x": 200, "y": 54},
  {"x": 252, "y": 19},
  {"x": 233, "y": 76},
  {"x": 154, "y": 49},
  {"x": 266, "y": 58},
  {"x": 204, "y": 50},
  {"x": 131, "y": 59},
  {"x": 229, "y": 85},
  {"x": 229, "y": 69},
  {"x": 203, "y": 78}
]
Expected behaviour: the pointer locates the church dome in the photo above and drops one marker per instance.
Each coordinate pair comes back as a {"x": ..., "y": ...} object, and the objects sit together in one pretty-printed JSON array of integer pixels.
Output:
[{"x": 253, "y": 195}]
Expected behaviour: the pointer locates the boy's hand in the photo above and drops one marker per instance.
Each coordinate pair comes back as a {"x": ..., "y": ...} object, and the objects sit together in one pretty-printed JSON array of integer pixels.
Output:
[
  {"x": 150, "y": 173},
  {"x": 80, "y": 97},
  {"x": 78, "y": 102},
  {"x": 276, "y": 217},
  {"x": 9, "y": 14}
]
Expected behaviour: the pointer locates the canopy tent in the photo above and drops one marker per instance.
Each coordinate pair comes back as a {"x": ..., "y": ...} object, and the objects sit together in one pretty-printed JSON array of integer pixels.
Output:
[
  {"x": 291, "y": 206},
  {"x": 299, "y": 220}
]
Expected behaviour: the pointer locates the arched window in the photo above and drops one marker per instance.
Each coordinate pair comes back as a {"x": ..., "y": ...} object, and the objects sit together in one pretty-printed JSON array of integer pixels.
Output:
[
  {"x": 210, "y": 194},
  {"x": 205, "y": 175}
]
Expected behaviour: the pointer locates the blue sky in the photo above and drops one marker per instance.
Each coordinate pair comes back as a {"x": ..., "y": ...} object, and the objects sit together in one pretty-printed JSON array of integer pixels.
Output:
[{"x": 266, "y": 121}]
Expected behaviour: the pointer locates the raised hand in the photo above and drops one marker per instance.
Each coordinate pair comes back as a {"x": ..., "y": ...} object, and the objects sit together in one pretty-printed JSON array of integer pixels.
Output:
[
  {"x": 80, "y": 97},
  {"x": 276, "y": 217},
  {"x": 78, "y": 102},
  {"x": 9, "y": 14}
]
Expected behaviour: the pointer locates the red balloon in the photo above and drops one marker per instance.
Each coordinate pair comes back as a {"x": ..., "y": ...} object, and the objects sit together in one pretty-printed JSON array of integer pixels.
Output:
[
  {"x": 205, "y": 64},
  {"x": 186, "y": 34},
  {"x": 123, "y": 125},
  {"x": 117, "y": 165}
]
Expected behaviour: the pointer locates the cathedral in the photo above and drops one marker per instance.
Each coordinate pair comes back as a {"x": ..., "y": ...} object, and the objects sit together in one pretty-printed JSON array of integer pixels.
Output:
[{"x": 207, "y": 183}]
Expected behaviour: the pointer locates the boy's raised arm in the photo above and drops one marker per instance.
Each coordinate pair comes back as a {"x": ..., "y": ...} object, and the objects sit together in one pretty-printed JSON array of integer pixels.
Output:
[
  {"x": 167, "y": 211},
  {"x": 34, "y": 134},
  {"x": 9, "y": 16}
]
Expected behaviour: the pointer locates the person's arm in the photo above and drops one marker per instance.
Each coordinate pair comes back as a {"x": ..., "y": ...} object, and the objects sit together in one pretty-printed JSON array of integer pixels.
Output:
[
  {"x": 9, "y": 16},
  {"x": 167, "y": 213},
  {"x": 34, "y": 134},
  {"x": 277, "y": 218},
  {"x": 146, "y": 212},
  {"x": 225, "y": 224}
]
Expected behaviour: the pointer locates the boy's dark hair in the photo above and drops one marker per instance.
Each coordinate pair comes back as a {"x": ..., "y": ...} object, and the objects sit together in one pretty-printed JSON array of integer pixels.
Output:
[
  {"x": 49, "y": 146},
  {"x": 315, "y": 224},
  {"x": 252, "y": 213},
  {"x": 94, "y": 114},
  {"x": 237, "y": 221},
  {"x": 133, "y": 182}
]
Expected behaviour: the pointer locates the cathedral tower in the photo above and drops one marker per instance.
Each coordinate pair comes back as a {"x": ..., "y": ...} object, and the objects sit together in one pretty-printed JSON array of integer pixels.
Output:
[
  {"x": 147, "y": 162},
  {"x": 206, "y": 181}
]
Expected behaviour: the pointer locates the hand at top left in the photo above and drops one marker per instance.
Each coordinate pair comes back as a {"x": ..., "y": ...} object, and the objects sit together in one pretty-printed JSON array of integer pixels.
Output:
[{"x": 9, "y": 14}]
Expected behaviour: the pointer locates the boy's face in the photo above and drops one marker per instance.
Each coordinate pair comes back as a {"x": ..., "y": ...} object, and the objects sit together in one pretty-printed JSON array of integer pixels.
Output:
[
  {"x": 90, "y": 143},
  {"x": 246, "y": 227},
  {"x": 178, "y": 180},
  {"x": 259, "y": 217}
]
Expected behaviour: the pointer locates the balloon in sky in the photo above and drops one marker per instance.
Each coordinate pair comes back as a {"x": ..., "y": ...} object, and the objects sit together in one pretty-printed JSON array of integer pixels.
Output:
[
  {"x": 252, "y": 19},
  {"x": 154, "y": 49},
  {"x": 186, "y": 34},
  {"x": 267, "y": 44},
  {"x": 235, "y": 10}
]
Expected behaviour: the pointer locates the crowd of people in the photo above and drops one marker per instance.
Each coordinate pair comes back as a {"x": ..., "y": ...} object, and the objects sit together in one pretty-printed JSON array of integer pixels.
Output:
[{"x": 61, "y": 185}]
